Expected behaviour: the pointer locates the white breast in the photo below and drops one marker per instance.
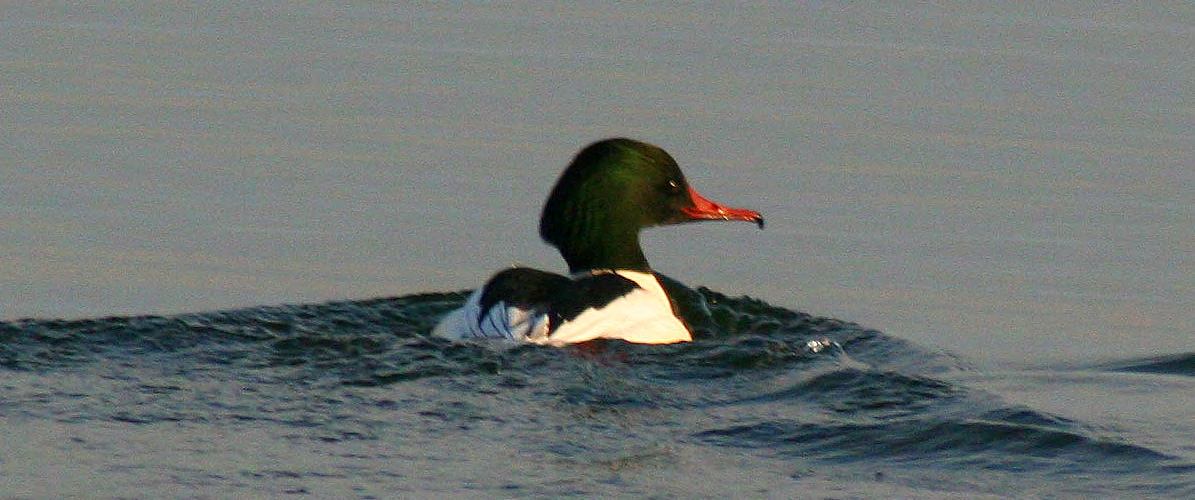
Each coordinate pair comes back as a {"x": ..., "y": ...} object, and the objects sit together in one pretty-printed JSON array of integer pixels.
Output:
[{"x": 643, "y": 316}]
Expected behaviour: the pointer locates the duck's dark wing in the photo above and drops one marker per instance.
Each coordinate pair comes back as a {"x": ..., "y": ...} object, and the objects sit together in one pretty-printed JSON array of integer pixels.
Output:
[
  {"x": 593, "y": 292},
  {"x": 512, "y": 305},
  {"x": 523, "y": 287}
]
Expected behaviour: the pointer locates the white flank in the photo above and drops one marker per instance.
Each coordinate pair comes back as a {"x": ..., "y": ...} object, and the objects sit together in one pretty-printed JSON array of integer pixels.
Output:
[{"x": 499, "y": 321}]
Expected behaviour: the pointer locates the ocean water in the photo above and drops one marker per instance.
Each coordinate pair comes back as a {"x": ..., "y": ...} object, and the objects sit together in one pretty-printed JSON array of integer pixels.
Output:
[
  {"x": 993, "y": 198},
  {"x": 355, "y": 400}
]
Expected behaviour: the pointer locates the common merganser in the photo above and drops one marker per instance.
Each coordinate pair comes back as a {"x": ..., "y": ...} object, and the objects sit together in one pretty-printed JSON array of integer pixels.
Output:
[{"x": 613, "y": 189}]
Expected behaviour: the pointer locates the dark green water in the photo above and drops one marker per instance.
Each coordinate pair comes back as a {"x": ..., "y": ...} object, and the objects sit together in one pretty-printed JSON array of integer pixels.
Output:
[{"x": 352, "y": 399}]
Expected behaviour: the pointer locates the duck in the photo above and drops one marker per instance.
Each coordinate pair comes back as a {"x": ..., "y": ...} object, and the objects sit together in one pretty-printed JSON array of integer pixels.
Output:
[{"x": 609, "y": 193}]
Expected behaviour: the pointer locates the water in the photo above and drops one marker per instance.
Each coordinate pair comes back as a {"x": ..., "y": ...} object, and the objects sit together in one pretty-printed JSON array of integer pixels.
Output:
[
  {"x": 354, "y": 400},
  {"x": 1002, "y": 189},
  {"x": 1009, "y": 182}
]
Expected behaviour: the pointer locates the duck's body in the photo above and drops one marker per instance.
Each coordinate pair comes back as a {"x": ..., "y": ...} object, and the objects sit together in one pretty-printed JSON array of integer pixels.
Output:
[
  {"x": 529, "y": 305},
  {"x": 612, "y": 190}
]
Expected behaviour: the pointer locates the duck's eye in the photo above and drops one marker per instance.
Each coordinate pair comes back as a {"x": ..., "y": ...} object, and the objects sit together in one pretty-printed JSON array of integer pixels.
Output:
[{"x": 673, "y": 186}]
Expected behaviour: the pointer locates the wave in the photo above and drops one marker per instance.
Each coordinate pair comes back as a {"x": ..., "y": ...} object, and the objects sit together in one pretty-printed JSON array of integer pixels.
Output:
[
  {"x": 1172, "y": 364},
  {"x": 757, "y": 377}
]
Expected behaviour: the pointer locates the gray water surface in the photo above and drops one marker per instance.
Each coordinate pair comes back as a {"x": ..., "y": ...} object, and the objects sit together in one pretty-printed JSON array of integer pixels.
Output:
[
  {"x": 1006, "y": 182},
  {"x": 1009, "y": 182}
]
